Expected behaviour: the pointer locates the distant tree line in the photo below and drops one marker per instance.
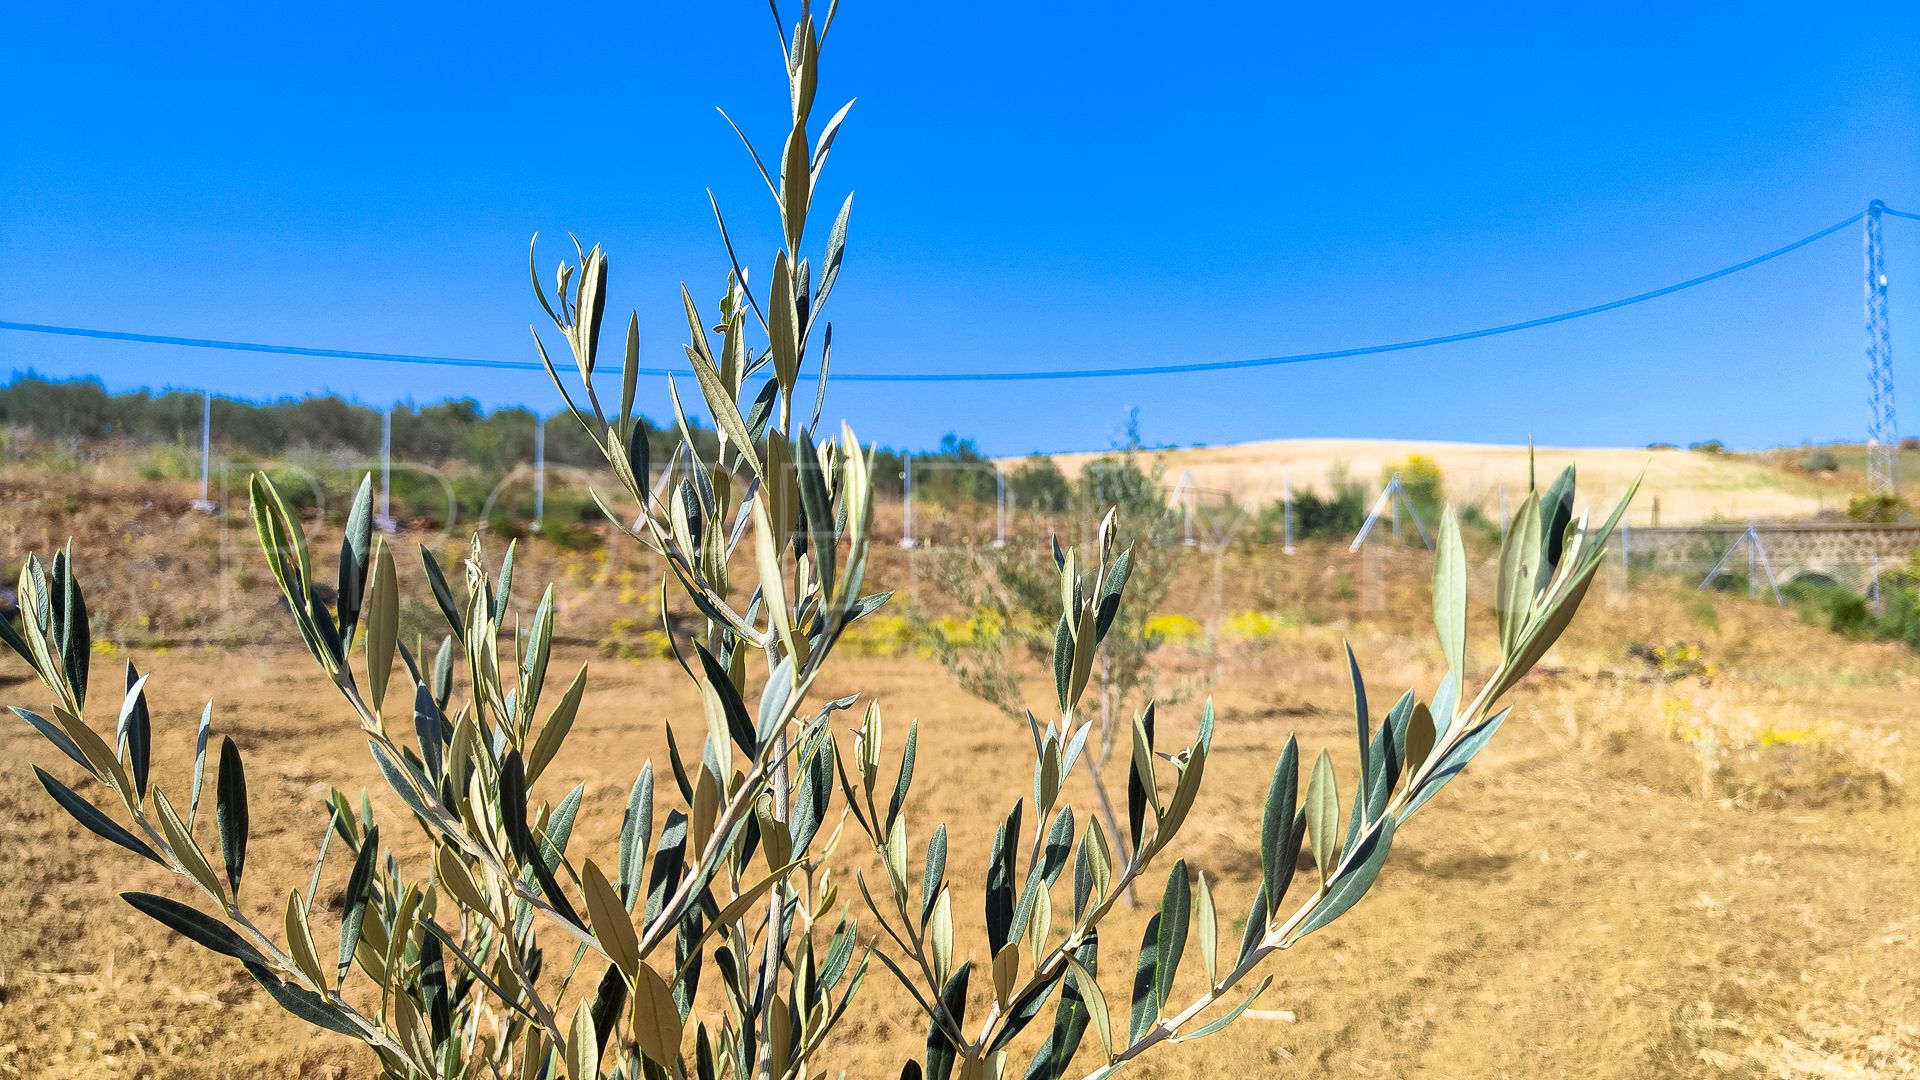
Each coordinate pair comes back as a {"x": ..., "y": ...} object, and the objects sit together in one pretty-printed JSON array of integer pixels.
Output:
[
  {"x": 493, "y": 442},
  {"x": 456, "y": 430},
  {"x": 82, "y": 410}
]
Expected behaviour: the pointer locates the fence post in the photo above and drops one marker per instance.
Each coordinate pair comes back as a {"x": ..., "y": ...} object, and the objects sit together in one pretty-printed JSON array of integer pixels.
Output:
[
  {"x": 1000, "y": 485},
  {"x": 1187, "y": 506},
  {"x": 1621, "y": 580},
  {"x": 906, "y": 491},
  {"x": 384, "y": 519},
  {"x": 539, "y": 472},
  {"x": 226, "y": 557},
  {"x": 204, "y": 503},
  {"x": 1286, "y": 513},
  {"x": 1393, "y": 506}
]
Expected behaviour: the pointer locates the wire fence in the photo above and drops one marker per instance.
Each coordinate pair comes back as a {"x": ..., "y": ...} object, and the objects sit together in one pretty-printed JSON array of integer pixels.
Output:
[{"x": 184, "y": 568}]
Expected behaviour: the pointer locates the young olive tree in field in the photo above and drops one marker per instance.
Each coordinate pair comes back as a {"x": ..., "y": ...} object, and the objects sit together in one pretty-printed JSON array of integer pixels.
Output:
[
  {"x": 1013, "y": 597},
  {"x": 710, "y": 941}
]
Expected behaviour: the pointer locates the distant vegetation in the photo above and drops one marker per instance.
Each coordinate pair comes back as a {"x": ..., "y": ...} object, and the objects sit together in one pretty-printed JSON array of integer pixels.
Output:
[
  {"x": 1335, "y": 515},
  {"x": 57, "y": 417},
  {"x": 456, "y": 430},
  {"x": 1882, "y": 509},
  {"x": 328, "y": 440},
  {"x": 1894, "y": 615},
  {"x": 81, "y": 410},
  {"x": 1819, "y": 459}
]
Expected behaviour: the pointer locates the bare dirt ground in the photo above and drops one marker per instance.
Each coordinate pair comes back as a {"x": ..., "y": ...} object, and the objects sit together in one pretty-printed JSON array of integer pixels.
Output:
[{"x": 1702, "y": 866}]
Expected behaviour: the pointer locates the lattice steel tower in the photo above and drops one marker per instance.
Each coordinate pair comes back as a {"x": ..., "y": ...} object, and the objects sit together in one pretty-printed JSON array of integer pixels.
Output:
[{"x": 1883, "y": 433}]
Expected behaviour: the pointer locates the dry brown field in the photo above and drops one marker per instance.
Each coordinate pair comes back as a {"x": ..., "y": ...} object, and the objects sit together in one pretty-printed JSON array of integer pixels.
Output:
[
  {"x": 1704, "y": 866},
  {"x": 1688, "y": 487}
]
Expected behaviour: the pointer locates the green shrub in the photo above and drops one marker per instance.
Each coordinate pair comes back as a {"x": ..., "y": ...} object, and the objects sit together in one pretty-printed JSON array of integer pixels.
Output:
[
  {"x": 1476, "y": 519},
  {"x": 1818, "y": 459},
  {"x": 1832, "y": 607},
  {"x": 1421, "y": 480},
  {"x": 1037, "y": 485},
  {"x": 1017, "y": 593},
  {"x": 168, "y": 463},
  {"x": 1882, "y": 509},
  {"x": 956, "y": 474},
  {"x": 1336, "y": 516}
]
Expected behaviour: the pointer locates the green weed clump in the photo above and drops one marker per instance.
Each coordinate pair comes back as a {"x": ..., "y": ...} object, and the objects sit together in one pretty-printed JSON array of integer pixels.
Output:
[
  {"x": 1893, "y": 616},
  {"x": 495, "y": 946},
  {"x": 1882, "y": 509},
  {"x": 1334, "y": 516}
]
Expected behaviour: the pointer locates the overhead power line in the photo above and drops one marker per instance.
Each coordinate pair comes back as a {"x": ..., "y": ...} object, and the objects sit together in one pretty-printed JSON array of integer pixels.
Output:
[{"x": 1030, "y": 375}]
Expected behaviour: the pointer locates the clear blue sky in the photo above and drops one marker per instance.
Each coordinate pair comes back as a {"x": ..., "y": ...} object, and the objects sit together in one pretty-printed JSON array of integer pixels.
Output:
[{"x": 1039, "y": 185}]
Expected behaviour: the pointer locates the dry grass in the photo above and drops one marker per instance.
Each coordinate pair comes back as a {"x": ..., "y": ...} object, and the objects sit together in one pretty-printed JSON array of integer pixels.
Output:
[
  {"x": 1689, "y": 487},
  {"x": 1588, "y": 900}
]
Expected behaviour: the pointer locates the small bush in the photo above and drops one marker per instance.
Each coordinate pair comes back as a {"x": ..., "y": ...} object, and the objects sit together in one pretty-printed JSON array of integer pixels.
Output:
[
  {"x": 1038, "y": 485},
  {"x": 955, "y": 475},
  {"x": 1175, "y": 629},
  {"x": 1254, "y": 626},
  {"x": 1335, "y": 516},
  {"x": 627, "y": 639},
  {"x": 1420, "y": 478},
  {"x": 1882, "y": 509},
  {"x": 1818, "y": 459},
  {"x": 1832, "y": 607},
  {"x": 168, "y": 463}
]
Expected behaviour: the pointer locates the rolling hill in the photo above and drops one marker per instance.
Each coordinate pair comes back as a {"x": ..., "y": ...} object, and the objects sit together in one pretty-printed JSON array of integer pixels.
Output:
[{"x": 1681, "y": 487}]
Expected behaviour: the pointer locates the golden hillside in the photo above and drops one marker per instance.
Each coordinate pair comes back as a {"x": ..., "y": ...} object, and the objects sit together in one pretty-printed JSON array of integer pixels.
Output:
[{"x": 1681, "y": 487}]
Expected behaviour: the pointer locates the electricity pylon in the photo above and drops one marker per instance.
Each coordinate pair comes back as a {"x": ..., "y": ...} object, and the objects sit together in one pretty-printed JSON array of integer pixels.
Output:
[{"x": 1883, "y": 433}]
